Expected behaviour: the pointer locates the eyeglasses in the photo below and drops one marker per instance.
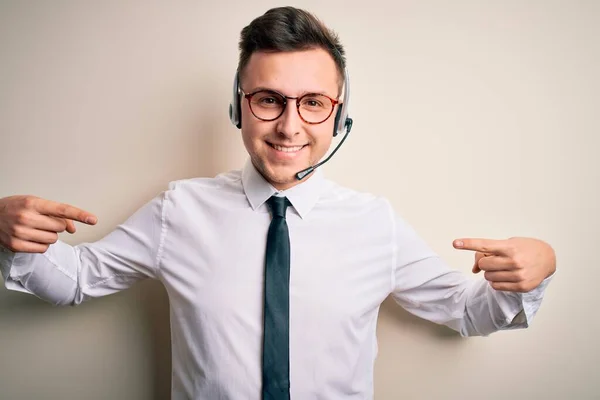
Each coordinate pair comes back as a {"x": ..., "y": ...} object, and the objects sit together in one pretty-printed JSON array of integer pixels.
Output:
[{"x": 268, "y": 105}]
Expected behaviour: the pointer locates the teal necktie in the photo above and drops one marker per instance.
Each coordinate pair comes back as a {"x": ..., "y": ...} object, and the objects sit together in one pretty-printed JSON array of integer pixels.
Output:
[{"x": 276, "y": 351}]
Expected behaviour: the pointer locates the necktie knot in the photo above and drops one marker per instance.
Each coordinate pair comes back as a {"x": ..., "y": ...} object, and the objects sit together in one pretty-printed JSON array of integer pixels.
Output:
[{"x": 278, "y": 206}]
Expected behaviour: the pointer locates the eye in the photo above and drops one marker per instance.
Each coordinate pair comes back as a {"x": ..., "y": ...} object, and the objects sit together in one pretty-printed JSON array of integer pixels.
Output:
[
  {"x": 315, "y": 102},
  {"x": 311, "y": 102},
  {"x": 268, "y": 99}
]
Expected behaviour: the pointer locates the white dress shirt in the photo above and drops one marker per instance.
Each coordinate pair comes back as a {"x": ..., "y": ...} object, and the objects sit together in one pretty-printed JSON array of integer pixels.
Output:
[{"x": 205, "y": 239}]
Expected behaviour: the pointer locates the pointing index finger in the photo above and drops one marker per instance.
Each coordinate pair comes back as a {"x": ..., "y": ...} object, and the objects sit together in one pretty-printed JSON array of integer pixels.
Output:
[
  {"x": 490, "y": 246},
  {"x": 51, "y": 208}
]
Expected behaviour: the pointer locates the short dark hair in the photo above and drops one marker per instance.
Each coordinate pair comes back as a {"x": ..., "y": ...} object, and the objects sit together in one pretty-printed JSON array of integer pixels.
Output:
[{"x": 289, "y": 29}]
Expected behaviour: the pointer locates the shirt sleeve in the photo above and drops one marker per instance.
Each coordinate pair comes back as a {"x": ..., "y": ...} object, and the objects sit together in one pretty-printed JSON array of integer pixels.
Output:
[
  {"x": 426, "y": 287},
  {"x": 69, "y": 275}
]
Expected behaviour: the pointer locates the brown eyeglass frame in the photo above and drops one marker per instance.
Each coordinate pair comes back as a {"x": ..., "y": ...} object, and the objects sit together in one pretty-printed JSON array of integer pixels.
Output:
[{"x": 249, "y": 96}]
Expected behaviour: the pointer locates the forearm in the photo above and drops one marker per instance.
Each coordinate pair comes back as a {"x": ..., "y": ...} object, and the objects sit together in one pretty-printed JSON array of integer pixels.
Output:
[
  {"x": 476, "y": 309},
  {"x": 487, "y": 310},
  {"x": 430, "y": 289},
  {"x": 426, "y": 286},
  {"x": 67, "y": 274}
]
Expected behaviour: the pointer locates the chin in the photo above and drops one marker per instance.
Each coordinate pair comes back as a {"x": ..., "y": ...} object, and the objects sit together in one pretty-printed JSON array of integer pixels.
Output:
[
  {"x": 281, "y": 176},
  {"x": 280, "y": 173},
  {"x": 285, "y": 176}
]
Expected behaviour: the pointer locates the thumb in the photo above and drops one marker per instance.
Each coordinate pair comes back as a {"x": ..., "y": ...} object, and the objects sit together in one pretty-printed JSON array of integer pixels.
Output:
[
  {"x": 478, "y": 256},
  {"x": 70, "y": 226}
]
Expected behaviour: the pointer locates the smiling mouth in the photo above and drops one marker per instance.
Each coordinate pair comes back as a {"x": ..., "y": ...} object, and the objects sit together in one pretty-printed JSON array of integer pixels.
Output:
[{"x": 286, "y": 149}]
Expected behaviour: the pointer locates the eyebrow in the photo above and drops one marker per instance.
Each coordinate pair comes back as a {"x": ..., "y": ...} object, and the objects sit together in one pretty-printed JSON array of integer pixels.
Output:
[{"x": 258, "y": 88}]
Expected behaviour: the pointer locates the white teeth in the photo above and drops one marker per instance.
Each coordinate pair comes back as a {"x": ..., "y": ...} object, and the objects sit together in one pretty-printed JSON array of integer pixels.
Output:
[{"x": 287, "y": 149}]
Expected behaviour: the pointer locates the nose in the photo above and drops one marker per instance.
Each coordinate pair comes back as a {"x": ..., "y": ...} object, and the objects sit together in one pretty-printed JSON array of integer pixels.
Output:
[{"x": 289, "y": 124}]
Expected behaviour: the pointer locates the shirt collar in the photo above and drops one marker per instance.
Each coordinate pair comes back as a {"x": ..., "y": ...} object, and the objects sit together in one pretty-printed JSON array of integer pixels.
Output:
[{"x": 303, "y": 196}]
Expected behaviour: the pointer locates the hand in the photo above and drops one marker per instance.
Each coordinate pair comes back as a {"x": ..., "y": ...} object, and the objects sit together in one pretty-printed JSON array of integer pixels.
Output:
[
  {"x": 29, "y": 224},
  {"x": 513, "y": 265}
]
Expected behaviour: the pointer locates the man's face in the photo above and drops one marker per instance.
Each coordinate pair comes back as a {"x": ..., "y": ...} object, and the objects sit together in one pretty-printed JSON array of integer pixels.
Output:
[{"x": 281, "y": 148}]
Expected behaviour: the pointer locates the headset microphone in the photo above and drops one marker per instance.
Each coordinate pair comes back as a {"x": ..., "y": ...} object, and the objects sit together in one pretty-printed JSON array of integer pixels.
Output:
[
  {"x": 300, "y": 175},
  {"x": 342, "y": 123}
]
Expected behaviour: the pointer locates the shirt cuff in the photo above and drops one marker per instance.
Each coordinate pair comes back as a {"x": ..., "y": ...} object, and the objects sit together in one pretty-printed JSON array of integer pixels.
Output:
[
  {"x": 528, "y": 305},
  {"x": 13, "y": 266},
  {"x": 532, "y": 300},
  {"x": 6, "y": 260}
]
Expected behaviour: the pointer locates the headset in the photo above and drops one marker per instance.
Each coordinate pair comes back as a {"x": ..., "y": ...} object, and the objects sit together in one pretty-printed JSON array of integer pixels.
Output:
[{"x": 343, "y": 123}]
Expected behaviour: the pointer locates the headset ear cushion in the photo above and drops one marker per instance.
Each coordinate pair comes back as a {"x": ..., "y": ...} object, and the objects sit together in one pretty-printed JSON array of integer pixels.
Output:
[
  {"x": 235, "y": 111},
  {"x": 338, "y": 115},
  {"x": 238, "y": 104}
]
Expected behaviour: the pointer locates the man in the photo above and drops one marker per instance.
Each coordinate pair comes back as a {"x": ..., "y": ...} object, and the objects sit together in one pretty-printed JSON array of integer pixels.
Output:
[{"x": 275, "y": 282}]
